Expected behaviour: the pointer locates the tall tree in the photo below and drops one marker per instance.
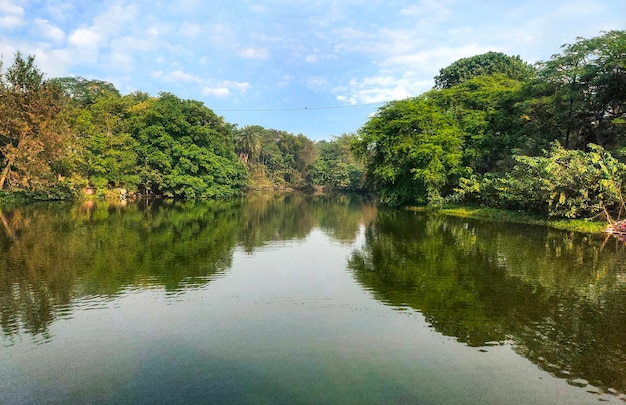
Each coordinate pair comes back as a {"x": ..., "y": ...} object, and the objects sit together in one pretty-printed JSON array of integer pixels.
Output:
[
  {"x": 582, "y": 92},
  {"x": 85, "y": 92},
  {"x": 106, "y": 150},
  {"x": 488, "y": 63},
  {"x": 248, "y": 142},
  {"x": 412, "y": 151},
  {"x": 33, "y": 127},
  {"x": 184, "y": 149}
]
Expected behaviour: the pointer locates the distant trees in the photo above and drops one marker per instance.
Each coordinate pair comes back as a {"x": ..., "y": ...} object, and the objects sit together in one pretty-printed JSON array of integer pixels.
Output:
[
  {"x": 493, "y": 130},
  {"x": 336, "y": 166}
]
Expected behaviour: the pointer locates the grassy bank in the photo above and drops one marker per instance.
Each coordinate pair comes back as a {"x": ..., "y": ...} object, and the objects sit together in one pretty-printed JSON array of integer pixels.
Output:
[{"x": 500, "y": 215}]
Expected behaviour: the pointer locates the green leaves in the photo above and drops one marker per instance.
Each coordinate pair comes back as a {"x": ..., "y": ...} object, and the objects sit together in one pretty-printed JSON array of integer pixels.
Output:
[
  {"x": 562, "y": 183},
  {"x": 411, "y": 150},
  {"x": 185, "y": 150},
  {"x": 487, "y": 64}
]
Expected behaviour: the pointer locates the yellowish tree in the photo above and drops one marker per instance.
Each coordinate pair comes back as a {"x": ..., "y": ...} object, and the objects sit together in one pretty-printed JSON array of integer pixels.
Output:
[{"x": 34, "y": 132}]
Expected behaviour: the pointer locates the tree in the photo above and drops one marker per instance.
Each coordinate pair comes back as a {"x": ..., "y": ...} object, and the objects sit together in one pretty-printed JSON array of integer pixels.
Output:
[
  {"x": 411, "y": 150},
  {"x": 34, "y": 132},
  {"x": 581, "y": 97},
  {"x": 248, "y": 143},
  {"x": 184, "y": 150},
  {"x": 106, "y": 149},
  {"x": 298, "y": 153},
  {"x": 85, "y": 92},
  {"x": 485, "y": 108},
  {"x": 486, "y": 64},
  {"x": 336, "y": 166}
]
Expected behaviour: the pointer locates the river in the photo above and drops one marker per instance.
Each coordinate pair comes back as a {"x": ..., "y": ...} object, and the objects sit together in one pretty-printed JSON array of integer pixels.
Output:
[{"x": 290, "y": 299}]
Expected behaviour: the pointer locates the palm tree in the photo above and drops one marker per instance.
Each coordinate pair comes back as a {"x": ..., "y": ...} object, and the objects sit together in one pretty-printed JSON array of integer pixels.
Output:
[{"x": 248, "y": 143}]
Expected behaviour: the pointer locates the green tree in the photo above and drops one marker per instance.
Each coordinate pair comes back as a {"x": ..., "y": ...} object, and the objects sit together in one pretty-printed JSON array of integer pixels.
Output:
[
  {"x": 248, "y": 143},
  {"x": 34, "y": 133},
  {"x": 335, "y": 166},
  {"x": 184, "y": 149},
  {"x": 485, "y": 108},
  {"x": 581, "y": 97},
  {"x": 485, "y": 64},
  {"x": 85, "y": 92},
  {"x": 298, "y": 153},
  {"x": 411, "y": 150},
  {"x": 106, "y": 149}
]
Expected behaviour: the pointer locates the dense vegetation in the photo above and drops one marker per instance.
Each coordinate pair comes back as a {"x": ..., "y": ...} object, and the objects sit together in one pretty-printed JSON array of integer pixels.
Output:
[
  {"x": 64, "y": 135},
  {"x": 497, "y": 131},
  {"x": 494, "y": 130}
]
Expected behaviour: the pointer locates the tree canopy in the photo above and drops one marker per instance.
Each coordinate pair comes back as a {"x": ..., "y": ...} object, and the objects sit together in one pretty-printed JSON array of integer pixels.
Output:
[
  {"x": 482, "y": 133},
  {"x": 486, "y": 64},
  {"x": 485, "y": 133}
]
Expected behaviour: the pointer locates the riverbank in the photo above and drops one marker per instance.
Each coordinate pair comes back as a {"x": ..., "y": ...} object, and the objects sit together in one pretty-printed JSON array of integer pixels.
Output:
[{"x": 500, "y": 215}]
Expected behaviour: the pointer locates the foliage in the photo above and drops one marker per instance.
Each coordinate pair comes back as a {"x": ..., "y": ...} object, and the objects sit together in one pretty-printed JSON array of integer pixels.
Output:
[
  {"x": 411, "y": 150},
  {"x": 248, "y": 143},
  {"x": 34, "y": 133},
  {"x": 184, "y": 149},
  {"x": 84, "y": 92},
  {"x": 298, "y": 153},
  {"x": 484, "y": 108},
  {"x": 489, "y": 63},
  {"x": 581, "y": 95},
  {"x": 105, "y": 151},
  {"x": 335, "y": 166},
  {"x": 562, "y": 183}
]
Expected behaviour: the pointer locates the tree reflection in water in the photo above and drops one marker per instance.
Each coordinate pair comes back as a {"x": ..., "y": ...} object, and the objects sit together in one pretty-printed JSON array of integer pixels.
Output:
[
  {"x": 558, "y": 297},
  {"x": 55, "y": 255}
]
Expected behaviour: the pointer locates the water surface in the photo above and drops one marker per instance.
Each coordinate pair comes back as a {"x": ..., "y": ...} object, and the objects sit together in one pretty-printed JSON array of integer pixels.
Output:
[{"x": 303, "y": 299}]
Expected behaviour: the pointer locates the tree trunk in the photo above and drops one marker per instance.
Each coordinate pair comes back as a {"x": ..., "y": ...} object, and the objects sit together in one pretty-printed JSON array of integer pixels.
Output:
[{"x": 5, "y": 173}]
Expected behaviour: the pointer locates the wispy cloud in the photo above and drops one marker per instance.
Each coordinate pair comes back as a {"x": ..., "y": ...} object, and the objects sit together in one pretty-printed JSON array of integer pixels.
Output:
[
  {"x": 48, "y": 31},
  {"x": 286, "y": 52},
  {"x": 225, "y": 88},
  {"x": 11, "y": 16},
  {"x": 254, "y": 53}
]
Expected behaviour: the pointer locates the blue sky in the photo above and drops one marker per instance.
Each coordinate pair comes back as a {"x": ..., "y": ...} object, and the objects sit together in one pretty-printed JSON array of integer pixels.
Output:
[{"x": 317, "y": 67}]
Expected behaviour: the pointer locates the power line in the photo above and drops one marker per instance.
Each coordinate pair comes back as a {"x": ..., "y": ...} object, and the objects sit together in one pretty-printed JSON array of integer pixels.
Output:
[{"x": 299, "y": 109}]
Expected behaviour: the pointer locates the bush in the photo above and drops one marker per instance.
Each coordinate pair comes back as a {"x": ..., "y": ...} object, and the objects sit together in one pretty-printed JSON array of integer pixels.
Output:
[{"x": 562, "y": 183}]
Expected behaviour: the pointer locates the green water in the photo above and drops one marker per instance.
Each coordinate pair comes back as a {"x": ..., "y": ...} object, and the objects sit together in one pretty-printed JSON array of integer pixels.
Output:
[{"x": 303, "y": 299}]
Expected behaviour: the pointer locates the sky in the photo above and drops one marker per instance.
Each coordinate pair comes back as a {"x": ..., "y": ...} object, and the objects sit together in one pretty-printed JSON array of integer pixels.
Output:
[{"x": 317, "y": 67}]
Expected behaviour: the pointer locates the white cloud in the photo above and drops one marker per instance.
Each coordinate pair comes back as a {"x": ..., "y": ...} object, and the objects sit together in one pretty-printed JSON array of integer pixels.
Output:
[
  {"x": 216, "y": 91},
  {"x": 12, "y": 16},
  {"x": 48, "y": 31},
  {"x": 241, "y": 87},
  {"x": 223, "y": 89},
  {"x": 10, "y": 22},
  {"x": 428, "y": 9},
  {"x": 376, "y": 89},
  {"x": 317, "y": 83},
  {"x": 177, "y": 76},
  {"x": 116, "y": 18},
  {"x": 254, "y": 53},
  {"x": 85, "y": 45}
]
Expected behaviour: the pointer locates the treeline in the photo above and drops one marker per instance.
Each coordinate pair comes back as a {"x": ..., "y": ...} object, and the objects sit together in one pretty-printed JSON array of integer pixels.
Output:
[
  {"x": 494, "y": 130},
  {"x": 61, "y": 136},
  {"x": 497, "y": 131}
]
